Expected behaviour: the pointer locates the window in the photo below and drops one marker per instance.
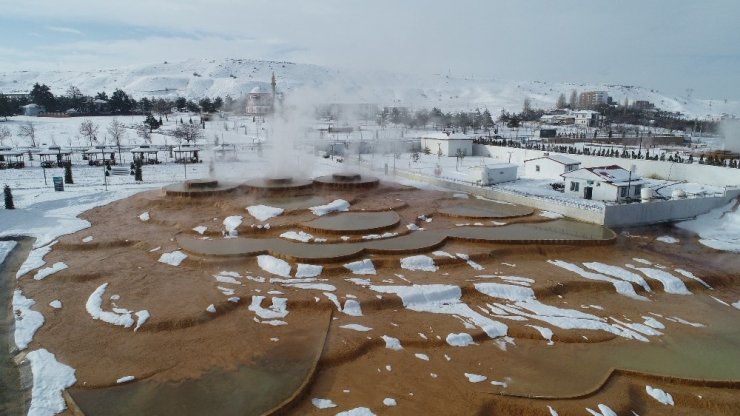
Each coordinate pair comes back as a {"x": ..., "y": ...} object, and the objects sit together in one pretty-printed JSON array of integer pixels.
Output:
[
  {"x": 574, "y": 186},
  {"x": 623, "y": 191},
  {"x": 638, "y": 188},
  {"x": 536, "y": 168}
]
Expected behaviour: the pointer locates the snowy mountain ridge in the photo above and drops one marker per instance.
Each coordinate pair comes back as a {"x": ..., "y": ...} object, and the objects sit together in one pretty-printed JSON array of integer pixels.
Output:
[{"x": 197, "y": 78}]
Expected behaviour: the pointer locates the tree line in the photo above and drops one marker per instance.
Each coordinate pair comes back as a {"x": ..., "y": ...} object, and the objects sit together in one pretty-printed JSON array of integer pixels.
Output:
[
  {"x": 464, "y": 120},
  {"x": 119, "y": 102}
]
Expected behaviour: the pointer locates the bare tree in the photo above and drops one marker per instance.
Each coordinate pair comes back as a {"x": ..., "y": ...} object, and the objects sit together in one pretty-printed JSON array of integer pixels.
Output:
[
  {"x": 188, "y": 132},
  {"x": 117, "y": 133},
  {"x": 76, "y": 98},
  {"x": 4, "y": 135},
  {"x": 89, "y": 131},
  {"x": 144, "y": 131},
  {"x": 28, "y": 131}
]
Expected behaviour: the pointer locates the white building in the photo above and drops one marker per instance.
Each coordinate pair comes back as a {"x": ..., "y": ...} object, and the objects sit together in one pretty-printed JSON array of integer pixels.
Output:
[
  {"x": 549, "y": 166},
  {"x": 587, "y": 118},
  {"x": 603, "y": 183},
  {"x": 33, "y": 110},
  {"x": 492, "y": 174},
  {"x": 447, "y": 144}
]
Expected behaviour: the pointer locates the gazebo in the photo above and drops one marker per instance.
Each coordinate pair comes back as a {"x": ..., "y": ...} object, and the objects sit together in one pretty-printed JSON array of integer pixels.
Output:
[
  {"x": 54, "y": 156},
  {"x": 11, "y": 159},
  {"x": 145, "y": 154},
  {"x": 99, "y": 156},
  {"x": 186, "y": 154}
]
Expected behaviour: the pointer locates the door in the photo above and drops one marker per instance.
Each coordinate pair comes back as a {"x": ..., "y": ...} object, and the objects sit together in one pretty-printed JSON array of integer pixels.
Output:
[{"x": 588, "y": 192}]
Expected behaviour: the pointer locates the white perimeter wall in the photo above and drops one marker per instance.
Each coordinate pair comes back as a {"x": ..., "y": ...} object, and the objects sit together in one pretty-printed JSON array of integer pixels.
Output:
[{"x": 705, "y": 174}]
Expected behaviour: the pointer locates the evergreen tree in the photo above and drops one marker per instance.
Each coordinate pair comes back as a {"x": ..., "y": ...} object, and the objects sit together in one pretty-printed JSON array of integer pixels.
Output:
[
  {"x": 41, "y": 95},
  {"x": 561, "y": 101},
  {"x": 8, "y": 198},
  {"x": 68, "y": 174},
  {"x": 137, "y": 172},
  {"x": 573, "y": 99}
]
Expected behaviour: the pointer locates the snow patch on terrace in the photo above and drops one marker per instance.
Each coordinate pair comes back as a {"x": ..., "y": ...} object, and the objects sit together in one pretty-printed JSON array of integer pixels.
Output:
[
  {"x": 94, "y": 308},
  {"x": 545, "y": 332},
  {"x": 622, "y": 287},
  {"x": 419, "y": 263},
  {"x": 524, "y": 300},
  {"x": 231, "y": 224},
  {"x": 392, "y": 343},
  {"x": 686, "y": 273},
  {"x": 298, "y": 236},
  {"x": 471, "y": 263},
  {"x": 604, "y": 409},
  {"x": 667, "y": 239},
  {"x": 48, "y": 271},
  {"x": 173, "y": 258},
  {"x": 227, "y": 277},
  {"x": 27, "y": 321},
  {"x": 356, "y": 327},
  {"x": 619, "y": 273},
  {"x": 443, "y": 299},
  {"x": 462, "y": 339},
  {"x": 357, "y": 411},
  {"x": 671, "y": 283},
  {"x": 337, "y": 205},
  {"x": 308, "y": 270},
  {"x": 200, "y": 229},
  {"x": 50, "y": 378},
  {"x": 364, "y": 266},
  {"x": 274, "y": 265},
  {"x": 144, "y": 216},
  {"x": 278, "y": 309},
  {"x": 475, "y": 378},
  {"x": 659, "y": 395},
  {"x": 35, "y": 259},
  {"x": 264, "y": 212},
  {"x": 323, "y": 403}
]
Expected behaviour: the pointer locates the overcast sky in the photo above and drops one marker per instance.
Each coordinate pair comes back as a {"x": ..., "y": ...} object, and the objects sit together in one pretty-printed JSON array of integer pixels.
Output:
[{"x": 670, "y": 45}]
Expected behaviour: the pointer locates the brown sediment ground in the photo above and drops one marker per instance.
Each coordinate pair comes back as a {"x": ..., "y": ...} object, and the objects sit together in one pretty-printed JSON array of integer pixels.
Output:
[{"x": 185, "y": 345}]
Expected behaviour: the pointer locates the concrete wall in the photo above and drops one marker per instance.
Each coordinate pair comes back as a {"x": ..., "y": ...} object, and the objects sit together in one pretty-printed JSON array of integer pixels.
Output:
[
  {"x": 714, "y": 175},
  {"x": 448, "y": 146},
  {"x": 663, "y": 211}
]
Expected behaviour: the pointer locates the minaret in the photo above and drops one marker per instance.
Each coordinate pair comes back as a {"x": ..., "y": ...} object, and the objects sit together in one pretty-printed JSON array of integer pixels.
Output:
[{"x": 274, "y": 91}]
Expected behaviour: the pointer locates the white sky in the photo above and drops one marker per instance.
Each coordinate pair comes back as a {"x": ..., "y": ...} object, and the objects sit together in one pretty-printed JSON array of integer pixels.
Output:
[{"x": 670, "y": 45}]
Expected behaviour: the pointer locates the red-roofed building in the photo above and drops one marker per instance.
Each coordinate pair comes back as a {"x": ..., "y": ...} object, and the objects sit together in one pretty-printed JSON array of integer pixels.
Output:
[{"x": 603, "y": 183}]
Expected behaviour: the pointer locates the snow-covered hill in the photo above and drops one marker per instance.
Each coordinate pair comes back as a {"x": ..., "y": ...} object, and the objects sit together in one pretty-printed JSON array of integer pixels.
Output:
[{"x": 196, "y": 78}]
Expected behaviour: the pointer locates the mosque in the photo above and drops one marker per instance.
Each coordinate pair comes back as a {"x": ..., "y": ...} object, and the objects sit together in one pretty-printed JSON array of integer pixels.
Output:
[{"x": 261, "y": 102}]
